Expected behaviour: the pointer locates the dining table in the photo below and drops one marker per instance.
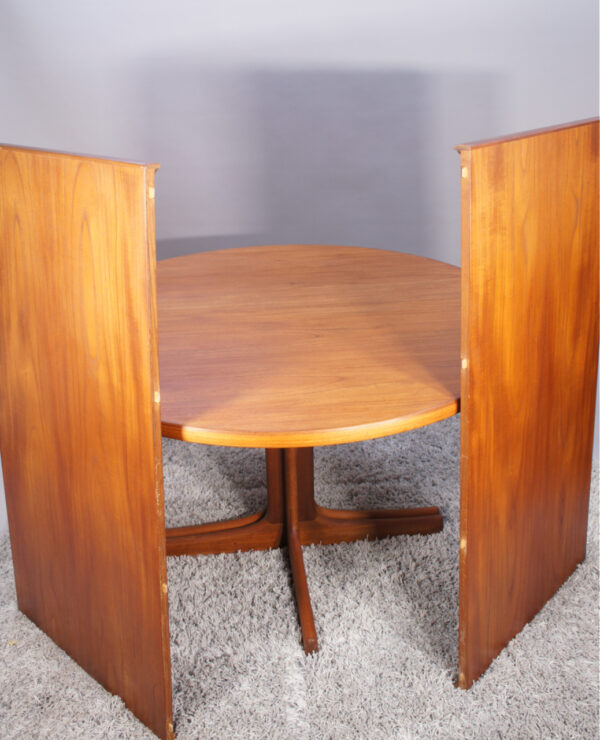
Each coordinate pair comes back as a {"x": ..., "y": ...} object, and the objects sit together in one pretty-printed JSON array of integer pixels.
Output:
[{"x": 290, "y": 347}]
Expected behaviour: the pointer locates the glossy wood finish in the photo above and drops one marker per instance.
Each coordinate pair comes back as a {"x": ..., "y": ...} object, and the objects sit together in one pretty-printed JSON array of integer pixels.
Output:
[
  {"x": 298, "y": 346},
  {"x": 80, "y": 419},
  {"x": 292, "y": 346},
  {"x": 329, "y": 526},
  {"x": 262, "y": 530},
  {"x": 265, "y": 529},
  {"x": 295, "y": 461},
  {"x": 530, "y": 348}
]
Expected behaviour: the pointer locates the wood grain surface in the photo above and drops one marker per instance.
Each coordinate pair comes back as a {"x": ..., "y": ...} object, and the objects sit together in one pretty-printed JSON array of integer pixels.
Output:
[
  {"x": 303, "y": 345},
  {"x": 530, "y": 348},
  {"x": 79, "y": 423}
]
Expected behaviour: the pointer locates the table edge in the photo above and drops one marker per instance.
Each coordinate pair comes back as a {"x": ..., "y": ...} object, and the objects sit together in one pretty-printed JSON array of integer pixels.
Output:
[{"x": 310, "y": 437}]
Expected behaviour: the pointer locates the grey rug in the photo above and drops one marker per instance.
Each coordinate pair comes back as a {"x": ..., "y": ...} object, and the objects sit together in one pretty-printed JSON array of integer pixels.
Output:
[{"x": 386, "y": 615}]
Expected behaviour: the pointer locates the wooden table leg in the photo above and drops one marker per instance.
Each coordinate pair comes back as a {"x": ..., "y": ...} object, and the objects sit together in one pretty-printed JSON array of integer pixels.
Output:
[
  {"x": 293, "y": 518},
  {"x": 295, "y": 469},
  {"x": 320, "y": 525},
  {"x": 260, "y": 531},
  {"x": 308, "y": 523}
]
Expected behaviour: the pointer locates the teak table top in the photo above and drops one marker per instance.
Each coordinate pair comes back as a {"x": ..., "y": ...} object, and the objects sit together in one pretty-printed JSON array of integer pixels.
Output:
[{"x": 305, "y": 345}]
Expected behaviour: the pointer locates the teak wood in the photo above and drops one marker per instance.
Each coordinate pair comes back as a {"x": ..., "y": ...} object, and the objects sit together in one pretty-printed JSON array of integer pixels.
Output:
[
  {"x": 292, "y": 346},
  {"x": 79, "y": 426},
  {"x": 304, "y": 345},
  {"x": 529, "y": 357},
  {"x": 339, "y": 344}
]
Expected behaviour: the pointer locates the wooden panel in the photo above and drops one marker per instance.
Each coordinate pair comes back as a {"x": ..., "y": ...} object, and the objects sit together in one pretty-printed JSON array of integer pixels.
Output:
[
  {"x": 79, "y": 423},
  {"x": 530, "y": 348},
  {"x": 300, "y": 345}
]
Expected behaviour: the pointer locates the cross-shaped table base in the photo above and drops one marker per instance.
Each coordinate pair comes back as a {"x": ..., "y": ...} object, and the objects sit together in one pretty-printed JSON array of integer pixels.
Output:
[{"x": 292, "y": 518}]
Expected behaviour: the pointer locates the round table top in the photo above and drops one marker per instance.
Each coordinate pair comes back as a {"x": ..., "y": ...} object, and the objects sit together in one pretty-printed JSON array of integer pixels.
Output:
[{"x": 305, "y": 345}]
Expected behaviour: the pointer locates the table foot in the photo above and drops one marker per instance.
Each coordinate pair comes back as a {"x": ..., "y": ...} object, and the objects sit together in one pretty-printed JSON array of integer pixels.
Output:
[
  {"x": 305, "y": 612},
  {"x": 329, "y": 526},
  {"x": 293, "y": 482},
  {"x": 293, "y": 518},
  {"x": 260, "y": 531},
  {"x": 254, "y": 532}
]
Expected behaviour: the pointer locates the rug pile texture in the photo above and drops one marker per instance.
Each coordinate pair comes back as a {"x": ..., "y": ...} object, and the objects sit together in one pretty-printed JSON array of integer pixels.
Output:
[{"x": 385, "y": 612}]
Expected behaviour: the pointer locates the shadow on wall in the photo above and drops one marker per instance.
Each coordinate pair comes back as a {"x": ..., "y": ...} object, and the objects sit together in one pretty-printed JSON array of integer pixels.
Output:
[
  {"x": 319, "y": 156},
  {"x": 342, "y": 157}
]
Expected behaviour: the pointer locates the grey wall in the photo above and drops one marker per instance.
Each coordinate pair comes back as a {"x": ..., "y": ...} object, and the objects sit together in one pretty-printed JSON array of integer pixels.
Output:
[{"x": 319, "y": 121}]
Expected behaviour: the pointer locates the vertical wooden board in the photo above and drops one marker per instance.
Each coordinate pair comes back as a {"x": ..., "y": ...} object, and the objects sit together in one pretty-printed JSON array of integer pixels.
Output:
[
  {"x": 530, "y": 348},
  {"x": 79, "y": 420}
]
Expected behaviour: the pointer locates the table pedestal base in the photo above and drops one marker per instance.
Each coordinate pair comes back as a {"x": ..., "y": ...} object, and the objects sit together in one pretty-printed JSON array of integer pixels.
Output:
[{"x": 292, "y": 518}]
